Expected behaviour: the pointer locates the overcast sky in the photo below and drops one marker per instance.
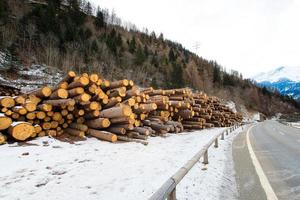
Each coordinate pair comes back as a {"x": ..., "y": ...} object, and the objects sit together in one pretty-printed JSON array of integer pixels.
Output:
[{"x": 246, "y": 35}]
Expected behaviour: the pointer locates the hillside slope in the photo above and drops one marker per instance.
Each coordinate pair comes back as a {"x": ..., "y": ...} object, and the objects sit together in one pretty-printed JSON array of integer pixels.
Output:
[{"x": 66, "y": 35}]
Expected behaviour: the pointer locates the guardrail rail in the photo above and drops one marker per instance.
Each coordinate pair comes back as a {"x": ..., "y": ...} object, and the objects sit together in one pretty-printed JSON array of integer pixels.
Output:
[{"x": 168, "y": 189}]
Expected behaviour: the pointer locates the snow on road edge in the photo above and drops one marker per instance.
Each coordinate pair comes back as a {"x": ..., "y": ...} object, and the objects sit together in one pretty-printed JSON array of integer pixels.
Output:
[
  {"x": 93, "y": 169},
  {"x": 214, "y": 181}
]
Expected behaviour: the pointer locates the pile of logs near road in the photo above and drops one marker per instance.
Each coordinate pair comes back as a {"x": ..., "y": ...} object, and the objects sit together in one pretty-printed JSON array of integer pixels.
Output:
[{"x": 87, "y": 105}]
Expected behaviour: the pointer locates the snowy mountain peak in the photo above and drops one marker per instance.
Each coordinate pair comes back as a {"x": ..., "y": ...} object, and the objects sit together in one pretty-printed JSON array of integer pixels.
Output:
[
  {"x": 284, "y": 79},
  {"x": 279, "y": 74}
]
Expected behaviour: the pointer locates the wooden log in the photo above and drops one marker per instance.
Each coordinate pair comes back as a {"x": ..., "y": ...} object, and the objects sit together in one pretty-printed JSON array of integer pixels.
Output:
[
  {"x": 92, "y": 114},
  {"x": 117, "y": 130},
  {"x": 94, "y": 105},
  {"x": 102, "y": 135},
  {"x": 81, "y": 127},
  {"x": 98, "y": 123},
  {"x": 80, "y": 82},
  {"x": 31, "y": 116},
  {"x": 60, "y": 102},
  {"x": 51, "y": 133},
  {"x": 122, "y": 120},
  {"x": 7, "y": 101},
  {"x": 117, "y": 84},
  {"x": 19, "y": 99},
  {"x": 94, "y": 78},
  {"x": 19, "y": 109},
  {"x": 69, "y": 77},
  {"x": 121, "y": 111},
  {"x": 75, "y": 91},
  {"x": 42, "y": 92},
  {"x": 61, "y": 85},
  {"x": 74, "y": 132},
  {"x": 127, "y": 139},
  {"x": 125, "y": 126},
  {"x": 44, "y": 107},
  {"x": 5, "y": 122},
  {"x": 112, "y": 102},
  {"x": 82, "y": 98},
  {"x": 20, "y": 130},
  {"x": 30, "y": 106},
  {"x": 2, "y": 139},
  {"x": 142, "y": 130},
  {"x": 59, "y": 94}
]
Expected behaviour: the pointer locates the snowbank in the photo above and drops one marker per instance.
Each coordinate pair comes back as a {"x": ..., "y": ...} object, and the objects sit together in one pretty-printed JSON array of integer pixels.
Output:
[{"x": 94, "y": 169}]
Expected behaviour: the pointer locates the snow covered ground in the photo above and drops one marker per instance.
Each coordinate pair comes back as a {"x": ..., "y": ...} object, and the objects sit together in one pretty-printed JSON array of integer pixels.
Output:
[
  {"x": 93, "y": 169},
  {"x": 295, "y": 124}
]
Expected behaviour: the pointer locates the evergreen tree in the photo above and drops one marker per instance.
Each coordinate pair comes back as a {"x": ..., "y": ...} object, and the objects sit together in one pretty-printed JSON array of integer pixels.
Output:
[
  {"x": 4, "y": 12},
  {"x": 177, "y": 76},
  {"x": 139, "y": 56},
  {"x": 217, "y": 75},
  {"x": 146, "y": 51},
  {"x": 172, "y": 57},
  {"x": 88, "y": 9},
  {"x": 99, "y": 21},
  {"x": 132, "y": 45}
]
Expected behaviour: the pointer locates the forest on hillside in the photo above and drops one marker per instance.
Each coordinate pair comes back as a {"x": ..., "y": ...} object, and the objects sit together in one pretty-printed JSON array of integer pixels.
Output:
[{"x": 73, "y": 35}]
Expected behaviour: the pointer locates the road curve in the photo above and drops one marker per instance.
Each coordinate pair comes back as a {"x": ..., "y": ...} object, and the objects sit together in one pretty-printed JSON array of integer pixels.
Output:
[{"x": 277, "y": 148}]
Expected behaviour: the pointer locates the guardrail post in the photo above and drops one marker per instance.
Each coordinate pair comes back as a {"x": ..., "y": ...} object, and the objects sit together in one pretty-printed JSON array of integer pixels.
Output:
[
  {"x": 227, "y": 132},
  {"x": 222, "y": 136},
  {"x": 205, "y": 157},
  {"x": 216, "y": 143},
  {"x": 172, "y": 195}
]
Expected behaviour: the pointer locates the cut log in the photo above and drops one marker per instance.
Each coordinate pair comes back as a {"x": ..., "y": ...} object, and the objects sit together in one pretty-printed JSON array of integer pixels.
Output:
[
  {"x": 76, "y": 91},
  {"x": 30, "y": 106},
  {"x": 122, "y": 111},
  {"x": 69, "y": 77},
  {"x": 103, "y": 135},
  {"x": 2, "y": 139},
  {"x": 59, "y": 94},
  {"x": 21, "y": 130},
  {"x": 60, "y": 102},
  {"x": 74, "y": 132},
  {"x": 7, "y": 101},
  {"x": 117, "y": 130},
  {"x": 98, "y": 123},
  {"x": 80, "y": 82},
  {"x": 42, "y": 92},
  {"x": 45, "y": 107},
  {"x": 127, "y": 139},
  {"x": 5, "y": 122},
  {"x": 80, "y": 127}
]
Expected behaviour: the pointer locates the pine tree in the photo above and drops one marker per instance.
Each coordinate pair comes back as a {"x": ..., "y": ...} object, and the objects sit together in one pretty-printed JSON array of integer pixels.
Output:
[
  {"x": 177, "y": 76},
  {"x": 172, "y": 57},
  {"x": 99, "y": 21},
  {"x": 139, "y": 56},
  {"x": 132, "y": 45},
  {"x": 88, "y": 9}
]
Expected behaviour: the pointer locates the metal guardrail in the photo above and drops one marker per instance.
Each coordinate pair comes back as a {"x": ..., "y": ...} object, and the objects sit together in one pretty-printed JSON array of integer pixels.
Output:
[{"x": 168, "y": 189}]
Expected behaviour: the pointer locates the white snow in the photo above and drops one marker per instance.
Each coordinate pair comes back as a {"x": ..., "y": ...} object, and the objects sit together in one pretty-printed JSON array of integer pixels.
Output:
[
  {"x": 281, "y": 73},
  {"x": 218, "y": 181},
  {"x": 94, "y": 169},
  {"x": 295, "y": 124},
  {"x": 231, "y": 105}
]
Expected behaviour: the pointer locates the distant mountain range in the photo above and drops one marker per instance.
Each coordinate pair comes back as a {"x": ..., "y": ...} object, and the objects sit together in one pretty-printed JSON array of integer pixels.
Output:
[{"x": 284, "y": 79}]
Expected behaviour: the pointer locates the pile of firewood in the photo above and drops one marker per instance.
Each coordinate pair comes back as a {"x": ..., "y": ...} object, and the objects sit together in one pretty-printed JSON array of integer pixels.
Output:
[
  {"x": 87, "y": 105},
  {"x": 9, "y": 91}
]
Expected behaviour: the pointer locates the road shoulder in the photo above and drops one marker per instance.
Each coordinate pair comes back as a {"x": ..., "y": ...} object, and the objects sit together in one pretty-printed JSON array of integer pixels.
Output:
[{"x": 248, "y": 183}]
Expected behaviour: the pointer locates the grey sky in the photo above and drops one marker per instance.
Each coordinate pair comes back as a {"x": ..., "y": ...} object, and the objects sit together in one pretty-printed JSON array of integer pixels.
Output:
[{"x": 246, "y": 35}]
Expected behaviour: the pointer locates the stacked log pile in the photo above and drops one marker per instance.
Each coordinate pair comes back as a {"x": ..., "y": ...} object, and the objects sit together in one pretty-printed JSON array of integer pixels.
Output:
[
  {"x": 8, "y": 91},
  {"x": 87, "y": 105}
]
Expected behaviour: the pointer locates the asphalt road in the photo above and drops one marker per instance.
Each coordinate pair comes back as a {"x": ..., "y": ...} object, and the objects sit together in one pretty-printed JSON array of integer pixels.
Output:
[{"x": 277, "y": 148}]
